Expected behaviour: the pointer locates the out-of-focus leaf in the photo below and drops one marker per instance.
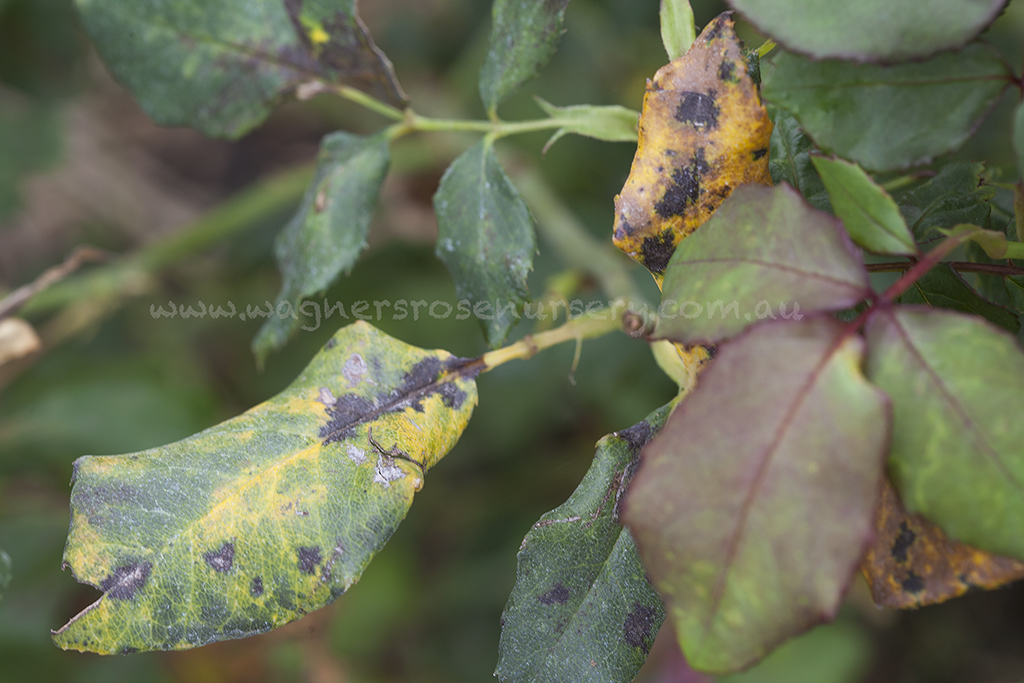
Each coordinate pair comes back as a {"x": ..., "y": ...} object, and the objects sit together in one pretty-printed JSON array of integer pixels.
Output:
[
  {"x": 868, "y": 213},
  {"x": 957, "y": 452},
  {"x": 890, "y": 117},
  {"x": 327, "y": 235},
  {"x": 678, "y": 30},
  {"x": 611, "y": 123},
  {"x": 257, "y": 521},
  {"x": 790, "y": 161},
  {"x": 220, "y": 66},
  {"x": 870, "y": 30},
  {"x": 5, "y": 572},
  {"x": 29, "y": 142},
  {"x": 992, "y": 242},
  {"x": 751, "y": 513},
  {"x": 17, "y": 340},
  {"x": 582, "y": 609},
  {"x": 703, "y": 132},
  {"x": 524, "y": 36},
  {"x": 911, "y": 563},
  {"x": 1018, "y": 137},
  {"x": 765, "y": 247},
  {"x": 833, "y": 653},
  {"x": 953, "y": 197},
  {"x": 485, "y": 238},
  {"x": 1015, "y": 292},
  {"x": 942, "y": 287}
]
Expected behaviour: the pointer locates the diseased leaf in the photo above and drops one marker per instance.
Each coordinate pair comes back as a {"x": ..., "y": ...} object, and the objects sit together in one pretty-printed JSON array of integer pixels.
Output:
[
  {"x": 328, "y": 233},
  {"x": 270, "y": 515},
  {"x": 868, "y": 213},
  {"x": 220, "y": 66},
  {"x": 870, "y": 30},
  {"x": 751, "y": 512},
  {"x": 957, "y": 444},
  {"x": 582, "y": 609},
  {"x": 703, "y": 132},
  {"x": 524, "y": 36},
  {"x": 942, "y": 287},
  {"x": 764, "y": 248},
  {"x": 485, "y": 238},
  {"x": 609, "y": 123},
  {"x": 677, "y": 27},
  {"x": 954, "y": 196},
  {"x": 790, "y": 161},
  {"x": 890, "y": 117},
  {"x": 834, "y": 653},
  {"x": 911, "y": 563}
]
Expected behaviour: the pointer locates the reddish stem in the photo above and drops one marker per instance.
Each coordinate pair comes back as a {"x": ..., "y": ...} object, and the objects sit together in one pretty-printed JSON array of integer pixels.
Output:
[{"x": 930, "y": 260}]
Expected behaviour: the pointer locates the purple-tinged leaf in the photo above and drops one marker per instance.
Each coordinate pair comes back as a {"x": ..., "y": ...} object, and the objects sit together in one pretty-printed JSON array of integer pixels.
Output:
[
  {"x": 764, "y": 250},
  {"x": 753, "y": 506},
  {"x": 957, "y": 384}
]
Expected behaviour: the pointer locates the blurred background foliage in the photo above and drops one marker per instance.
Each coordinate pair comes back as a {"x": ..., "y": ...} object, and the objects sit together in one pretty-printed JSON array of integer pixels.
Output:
[{"x": 80, "y": 164}]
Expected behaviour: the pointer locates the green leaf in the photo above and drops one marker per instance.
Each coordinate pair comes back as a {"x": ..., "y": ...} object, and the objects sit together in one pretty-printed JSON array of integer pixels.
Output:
[
  {"x": 678, "y": 30},
  {"x": 890, "y": 117},
  {"x": 992, "y": 242},
  {"x": 942, "y": 287},
  {"x": 1018, "y": 138},
  {"x": 270, "y": 515},
  {"x": 610, "y": 123},
  {"x": 751, "y": 510},
  {"x": 763, "y": 250},
  {"x": 836, "y": 653},
  {"x": 485, "y": 238},
  {"x": 524, "y": 36},
  {"x": 328, "y": 233},
  {"x": 953, "y": 197},
  {"x": 870, "y": 30},
  {"x": 582, "y": 609},
  {"x": 790, "y": 161},
  {"x": 220, "y": 66},
  {"x": 1015, "y": 291},
  {"x": 868, "y": 213},
  {"x": 29, "y": 142},
  {"x": 957, "y": 443}
]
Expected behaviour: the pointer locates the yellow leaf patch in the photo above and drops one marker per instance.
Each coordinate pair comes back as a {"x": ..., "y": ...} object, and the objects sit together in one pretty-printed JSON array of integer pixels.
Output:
[
  {"x": 270, "y": 515},
  {"x": 703, "y": 132}
]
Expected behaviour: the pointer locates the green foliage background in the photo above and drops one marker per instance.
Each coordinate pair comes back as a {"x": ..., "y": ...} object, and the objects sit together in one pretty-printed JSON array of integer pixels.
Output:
[{"x": 428, "y": 608}]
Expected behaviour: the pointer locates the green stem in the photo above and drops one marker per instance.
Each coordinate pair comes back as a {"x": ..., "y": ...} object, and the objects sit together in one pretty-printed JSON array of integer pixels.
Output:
[
  {"x": 369, "y": 102},
  {"x": 230, "y": 218},
  {"x": 575, "y": 244}
]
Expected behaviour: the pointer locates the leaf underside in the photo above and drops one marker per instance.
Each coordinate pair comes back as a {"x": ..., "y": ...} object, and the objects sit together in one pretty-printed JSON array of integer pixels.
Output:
[
  {"x": 270, "y": 515},
  {"x": 582, "y": 608},
  {"x": 751, "y": 510}
]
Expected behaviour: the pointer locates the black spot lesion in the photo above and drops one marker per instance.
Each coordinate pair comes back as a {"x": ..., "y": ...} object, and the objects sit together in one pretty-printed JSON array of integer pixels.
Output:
[
  {"x": 256, "y": 589},
  {"x": 127, "y": 580},
  {"x": 697, "y": 109},
  {"x": 655, "y": 252},
  {"x": 902, "y": 543},
  {"x": 913, "y": 583},
  {"x": 759, "y": 153},
  {"x": 637, "y": 436},
  {"x": 222, "y": 559},
  {"x": 558, "y": 595},
  {"x": 685, "y": 188},
  {"x": 639, "y": 624},
  {"x": 727, "y": 71},
  {"x": 310, "y": 558}
]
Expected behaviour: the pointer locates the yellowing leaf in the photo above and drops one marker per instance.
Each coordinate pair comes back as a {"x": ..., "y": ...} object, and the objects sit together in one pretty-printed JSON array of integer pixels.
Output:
[
  {"x": 703, "y": 132},
  {"x": 912, "y": 563},
  {"x": 270, "y": 515}
]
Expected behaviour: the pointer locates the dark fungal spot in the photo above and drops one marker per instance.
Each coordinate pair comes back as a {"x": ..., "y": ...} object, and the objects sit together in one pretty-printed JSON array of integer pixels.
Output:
[
  {"x": 347, "y": 411},
  {"x": 128, "y": 650},
  {"x": 257, "y": 586},
  {"x": 309, "y": 559},
  {"x": 717, "y": 26},
  {"x": 331, "y": 343},
  {"x": 712, "y": 351},
  {"x": 638, "y": 626},
  {"x": 913, "y": 583},
  {"x": 656, "y": 251},
  {"x": 558, "y": 594},
  {"x": 903, "y": 541},
  {"x": 725, "y": 71},
  {"x": 221, "y": 560},
  {"x": 637, "y": 436},
  {"x": 126, "y": 580},
  {"x": 684, "y": 190},
  {"x": 759, "y": 153},
  {"x": 697, "y": 109}
]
